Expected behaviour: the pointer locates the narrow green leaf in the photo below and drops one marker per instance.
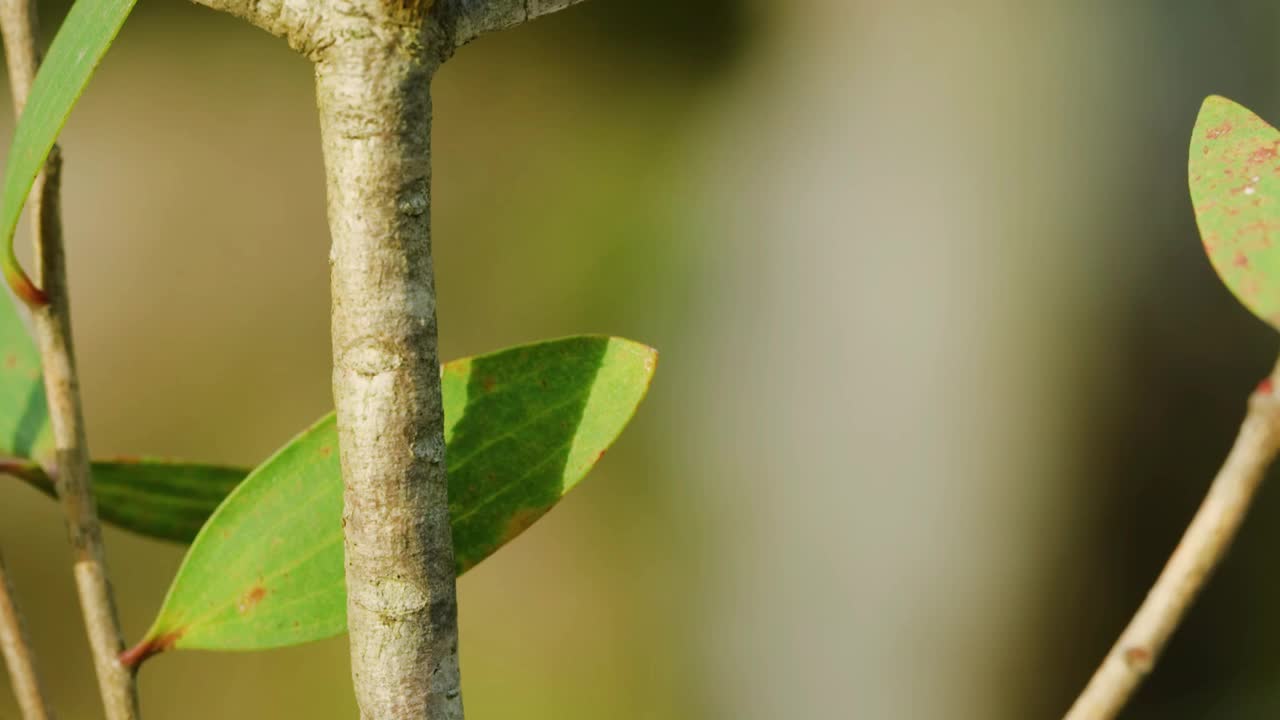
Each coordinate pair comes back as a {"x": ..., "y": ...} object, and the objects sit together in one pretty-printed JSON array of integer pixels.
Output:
[
  {"x": 161, "y": 498},
  {"x": 81, "y": 42},
  {"x": 1234, "y": 175},
  {"x": 24, "y": 417},
  {"x": 523, "y": 426}
]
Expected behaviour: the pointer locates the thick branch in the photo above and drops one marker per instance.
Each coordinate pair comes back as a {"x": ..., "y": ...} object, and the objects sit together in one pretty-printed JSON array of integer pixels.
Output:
[
  {"x": 374, "y": 97},
  {"x": 1202, "y": 547},
  {"x": 15, "y": 646},
  {"x": 52, "y": 324},
  {"x": 300, "y": 22},
  {"x": 374, "y": 63},
  {"x": 473, "y": 18}
]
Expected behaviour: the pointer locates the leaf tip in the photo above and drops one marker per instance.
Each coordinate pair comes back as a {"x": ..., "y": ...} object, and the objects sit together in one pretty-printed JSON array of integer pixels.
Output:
[
  {"x": 648, "y": 355},
  {"x": 1216, "y": 108},
  {"x": 1215, "y": 102}
]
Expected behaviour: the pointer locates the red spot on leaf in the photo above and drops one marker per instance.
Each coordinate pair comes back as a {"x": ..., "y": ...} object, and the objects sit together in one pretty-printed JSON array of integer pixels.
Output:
[
  {"x": 251, "y": 599},
  {"x": 519, "y": 522},
  {"x": 1245, "y": 189},
  {"x": 488, "y": 383},
  {"x": 1216, "y": 132},
  {"x": 326, "y": 451},
  {"x": 1264, "y": 154},
  {"x": 1241, "y": 260}
]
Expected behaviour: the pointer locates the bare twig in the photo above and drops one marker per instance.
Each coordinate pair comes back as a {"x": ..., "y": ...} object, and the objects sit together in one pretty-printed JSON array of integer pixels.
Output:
[
  {"x": 15, "y": 646},
  {"x": 52, "y": 324},
  {"x": 1203, "y": 546}
]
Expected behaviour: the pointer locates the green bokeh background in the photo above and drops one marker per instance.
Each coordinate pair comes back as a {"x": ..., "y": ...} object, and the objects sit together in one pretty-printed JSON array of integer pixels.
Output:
[{"x": 944, "y": 371}]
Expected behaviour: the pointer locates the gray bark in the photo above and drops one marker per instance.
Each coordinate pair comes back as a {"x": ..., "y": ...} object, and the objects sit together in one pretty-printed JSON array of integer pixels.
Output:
[
  {"x": 401, "y": 606},
  {"x": 374, "y": 63}
]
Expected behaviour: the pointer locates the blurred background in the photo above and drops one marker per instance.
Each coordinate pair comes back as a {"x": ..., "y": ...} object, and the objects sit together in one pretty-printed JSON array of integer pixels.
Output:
[{"x": 944, "y": 370}]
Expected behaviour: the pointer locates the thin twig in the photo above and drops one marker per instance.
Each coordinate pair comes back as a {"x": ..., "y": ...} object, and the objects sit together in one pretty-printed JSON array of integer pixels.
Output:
[
  {"x": 52, "y": 324},
  {"x": 1202, "y": 548},
  {"x": 15, "y": 646}
]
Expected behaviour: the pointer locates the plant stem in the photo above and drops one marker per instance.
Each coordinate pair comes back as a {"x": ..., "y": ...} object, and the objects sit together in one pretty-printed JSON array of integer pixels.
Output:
[
  {"x": 15, "y": 646},
  {"x": 52, "y": 325},
  {"x": 375, "y": 109},
  {"x": 1202, "y": 548},
  {"x": 374, "y": 63}
]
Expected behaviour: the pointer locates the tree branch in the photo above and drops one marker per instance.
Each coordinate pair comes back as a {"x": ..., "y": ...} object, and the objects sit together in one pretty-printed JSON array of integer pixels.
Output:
[
  {"x": 52, "y": 325},
  {"x": 299, "y": 22},
  {"x": 15, "y": 646},
  {"x": 1202, "y": 548},
  {"x": 374, "y": 63},
  {"x": 473, "y": 18},
  {"x": 373, "y": 90}
]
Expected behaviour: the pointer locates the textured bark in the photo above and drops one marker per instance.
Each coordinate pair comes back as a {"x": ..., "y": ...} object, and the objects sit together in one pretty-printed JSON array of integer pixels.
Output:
[
  {"x": 52, "y": 326},
  {"x": 299, "y": 22},
  {"x": 374, "y": 63},
  {"x": 473, "y": 18},
  {"x": 374, "y": 97}
]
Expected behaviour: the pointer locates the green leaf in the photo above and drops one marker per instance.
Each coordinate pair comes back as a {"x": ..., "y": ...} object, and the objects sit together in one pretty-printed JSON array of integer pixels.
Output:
[
  {"x": 24, "y": 417},
  {"x": 81, "y": 42},
  {"x": 165, "y": 499},
  {"x": 523, "y": 427},
  {"x": 161, "y": 498},
  {"x": 1234, "y": 176}
]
